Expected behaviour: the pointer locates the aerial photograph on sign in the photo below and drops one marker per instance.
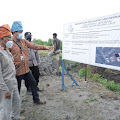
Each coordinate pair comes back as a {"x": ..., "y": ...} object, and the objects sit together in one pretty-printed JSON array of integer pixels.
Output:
[{"x": 108, "y": 55}]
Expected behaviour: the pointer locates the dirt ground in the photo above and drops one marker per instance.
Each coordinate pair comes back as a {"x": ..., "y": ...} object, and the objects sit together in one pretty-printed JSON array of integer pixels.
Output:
[{"x": 89, "y": 101}]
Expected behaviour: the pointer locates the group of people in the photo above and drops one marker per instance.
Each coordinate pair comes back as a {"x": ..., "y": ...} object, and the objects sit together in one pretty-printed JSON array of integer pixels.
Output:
[{"x": 19, "y": 60}]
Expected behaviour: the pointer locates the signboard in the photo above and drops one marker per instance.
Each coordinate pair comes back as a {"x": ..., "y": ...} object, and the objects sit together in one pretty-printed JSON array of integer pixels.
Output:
[{"x": 94, "y": 42}]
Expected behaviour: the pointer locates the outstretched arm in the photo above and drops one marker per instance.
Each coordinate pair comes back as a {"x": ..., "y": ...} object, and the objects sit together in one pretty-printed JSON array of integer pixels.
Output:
[{"x": 36, "y": 47}]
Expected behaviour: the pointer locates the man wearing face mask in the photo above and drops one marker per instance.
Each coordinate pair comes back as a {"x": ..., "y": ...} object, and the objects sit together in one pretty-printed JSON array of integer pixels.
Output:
[
  {"x": 34, "y": 63},
  {"x": 20, "y": 55},
  {"x": 9, "y": 95}
]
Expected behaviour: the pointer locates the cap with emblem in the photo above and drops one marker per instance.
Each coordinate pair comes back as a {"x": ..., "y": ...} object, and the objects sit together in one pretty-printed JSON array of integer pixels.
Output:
[{"x": 27, "y": 34}]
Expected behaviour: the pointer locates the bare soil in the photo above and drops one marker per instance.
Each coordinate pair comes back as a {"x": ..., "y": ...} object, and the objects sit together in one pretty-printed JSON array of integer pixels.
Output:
[{"x": 89, "y": 101}]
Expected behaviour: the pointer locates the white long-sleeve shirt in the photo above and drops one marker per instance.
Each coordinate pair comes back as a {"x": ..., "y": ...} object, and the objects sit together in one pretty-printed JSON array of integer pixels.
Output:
[{"x": 8, "y": 79}]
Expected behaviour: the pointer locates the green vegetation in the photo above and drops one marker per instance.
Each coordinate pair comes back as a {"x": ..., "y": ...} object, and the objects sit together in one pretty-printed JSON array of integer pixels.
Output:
[
  {"x": 43, "y": 53},
  {"x": 60, "y": 57},
  {"x": 46, "y": 43},
  {"x": 90, "y": 100},
  {"x": 81, "y": 73},
  {"x": 111, "y": 85}
]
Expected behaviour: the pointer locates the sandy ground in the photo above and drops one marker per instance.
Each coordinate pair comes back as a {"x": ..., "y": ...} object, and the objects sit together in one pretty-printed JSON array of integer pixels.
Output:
[{"x": 89, "y": 101}]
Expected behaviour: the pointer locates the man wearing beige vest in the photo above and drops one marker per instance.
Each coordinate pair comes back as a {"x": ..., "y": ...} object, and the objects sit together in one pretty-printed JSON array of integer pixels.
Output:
[{"x": 9, "y": 95}]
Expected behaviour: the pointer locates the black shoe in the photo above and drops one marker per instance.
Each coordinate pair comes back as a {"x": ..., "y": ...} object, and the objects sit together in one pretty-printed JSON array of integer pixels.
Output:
[
  {"x": 29, "y": 92},
  {"x": 39, "y": 89},
  {"x": 40, "y": 102},
  {"x": 58, "y": 73}
]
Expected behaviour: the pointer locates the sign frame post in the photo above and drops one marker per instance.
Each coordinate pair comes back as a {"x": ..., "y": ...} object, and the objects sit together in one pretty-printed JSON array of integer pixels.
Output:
[
  {"x": 63, "y": 84},
  {"x": 85, "y": 72}
]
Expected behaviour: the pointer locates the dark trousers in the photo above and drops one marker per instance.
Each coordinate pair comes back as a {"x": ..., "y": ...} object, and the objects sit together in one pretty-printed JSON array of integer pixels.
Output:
[
  {"x": 35, "y": 73},
  {"x": 28, "y": 77}
]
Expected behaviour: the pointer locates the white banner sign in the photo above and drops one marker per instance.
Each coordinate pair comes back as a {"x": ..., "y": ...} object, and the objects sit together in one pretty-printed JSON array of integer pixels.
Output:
[{"x": 95, "y": 42}]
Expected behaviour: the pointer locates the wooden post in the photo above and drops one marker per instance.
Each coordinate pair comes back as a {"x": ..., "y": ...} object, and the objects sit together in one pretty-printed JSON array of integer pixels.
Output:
[{"x": 85, "y": 72}]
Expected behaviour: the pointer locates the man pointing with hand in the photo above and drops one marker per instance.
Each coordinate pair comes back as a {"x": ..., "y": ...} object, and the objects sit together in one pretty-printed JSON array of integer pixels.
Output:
[{"x": 20, "y": 55}]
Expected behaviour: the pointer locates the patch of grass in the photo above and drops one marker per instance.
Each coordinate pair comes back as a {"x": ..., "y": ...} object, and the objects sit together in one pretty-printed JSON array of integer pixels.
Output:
[
  {"x": 111, "y": 85},
  {"x": 60, "y": 67},
  {"x": 81, "y": 73},
  {"x": 90, "y": 100},
  {"x": 43, "y": 53},
  {"x": 60, "y": 57},
  {"x": 71, "y": 62}
]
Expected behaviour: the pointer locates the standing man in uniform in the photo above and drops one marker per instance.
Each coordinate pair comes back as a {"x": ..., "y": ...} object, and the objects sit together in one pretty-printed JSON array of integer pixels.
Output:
[
  {"x": 20, "y": 55},
  {"x": 34, "y": 63}
]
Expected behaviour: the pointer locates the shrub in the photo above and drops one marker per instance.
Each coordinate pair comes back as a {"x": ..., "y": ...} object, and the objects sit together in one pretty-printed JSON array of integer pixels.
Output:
[
  {"x": 111, "y": 85},
  {"x": 60, "y": 57},
  {"x": 81, "y": 73},
  {"x": 96, "y": 77}
]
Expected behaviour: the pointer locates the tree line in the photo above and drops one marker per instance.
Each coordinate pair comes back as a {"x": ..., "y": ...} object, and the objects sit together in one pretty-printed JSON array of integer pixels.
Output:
[{"x": 46, "y": 43}]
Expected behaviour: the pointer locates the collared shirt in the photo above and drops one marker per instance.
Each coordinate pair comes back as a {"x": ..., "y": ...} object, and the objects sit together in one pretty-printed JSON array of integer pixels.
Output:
[
  {"x": 22, "y": 67},
  {"x": 34, "y": 57}
]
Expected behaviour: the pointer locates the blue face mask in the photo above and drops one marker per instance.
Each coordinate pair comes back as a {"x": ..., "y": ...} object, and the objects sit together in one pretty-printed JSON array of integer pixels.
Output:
[{"x": 20, "y": 36}]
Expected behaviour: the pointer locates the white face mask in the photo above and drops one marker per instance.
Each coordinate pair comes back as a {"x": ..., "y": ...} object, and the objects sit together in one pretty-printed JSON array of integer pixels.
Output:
[
  {"x": 9, "y": 44},
  {"x": 20, "y": 36}
]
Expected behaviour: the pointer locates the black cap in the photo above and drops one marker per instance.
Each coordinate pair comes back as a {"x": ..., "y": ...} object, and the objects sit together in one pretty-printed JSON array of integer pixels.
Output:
[
  {"x": 27, "y": 34},
  {"x": 55, "y": 34}
]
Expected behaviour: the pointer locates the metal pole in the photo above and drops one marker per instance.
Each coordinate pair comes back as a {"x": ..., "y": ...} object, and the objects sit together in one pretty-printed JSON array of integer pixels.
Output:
[
  {"x": 85, "y": 72},
  {"x": 62, "y": 74},
  {"x": 63, "y": 84}
]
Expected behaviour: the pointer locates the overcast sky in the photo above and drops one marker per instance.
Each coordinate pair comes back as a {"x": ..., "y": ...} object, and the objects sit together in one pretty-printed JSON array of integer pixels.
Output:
[{"x": 44, "y": 17}]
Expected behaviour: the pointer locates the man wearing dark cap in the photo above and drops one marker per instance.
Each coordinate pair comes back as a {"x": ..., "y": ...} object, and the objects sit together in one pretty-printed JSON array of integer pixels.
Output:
[
  {"x": 56, "y": 51},
  {"x": 34, "y": 63}
]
